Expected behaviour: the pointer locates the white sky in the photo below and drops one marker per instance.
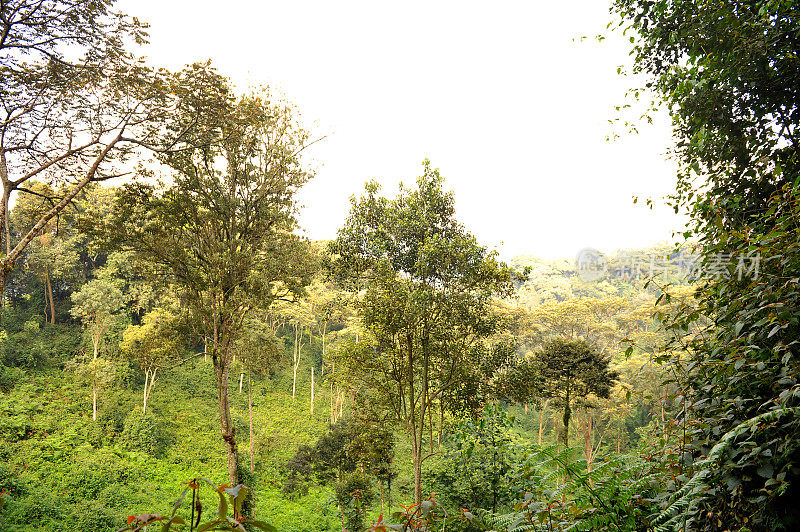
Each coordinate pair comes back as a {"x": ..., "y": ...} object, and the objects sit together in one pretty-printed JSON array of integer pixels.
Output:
[{"x": 497, "y": 94}]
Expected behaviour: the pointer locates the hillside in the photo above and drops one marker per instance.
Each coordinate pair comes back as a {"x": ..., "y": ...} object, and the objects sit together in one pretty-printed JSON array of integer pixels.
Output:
[{"x": 67, "y": 472}]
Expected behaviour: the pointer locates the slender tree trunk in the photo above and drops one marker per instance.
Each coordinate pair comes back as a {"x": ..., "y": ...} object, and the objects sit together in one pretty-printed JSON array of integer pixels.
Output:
[
  {"x": 96, "y": 349},
  {"x": 3, "y": 278},
  {"x": 333, "y": 377},
  {"x": 148, "y": 388},
  {"x": 241, "y": 378},
  {"x": 542, "y": 420},
  {"x": 322, "y": 366},
  {"x": 416, "y": 459},
  {"x": 294, "y": 381},
  {"x": 5, "y": 229},
  {"x": 297, "y": 338},
  {"x": 250, "y": 413},
  {"x": 588, "y": 441},
  {"x": 565, "y": 419},
  {"x": 226, "y": 423},
  {"x": 50, "y": 297},
  {"x": 144, "y": 395}
]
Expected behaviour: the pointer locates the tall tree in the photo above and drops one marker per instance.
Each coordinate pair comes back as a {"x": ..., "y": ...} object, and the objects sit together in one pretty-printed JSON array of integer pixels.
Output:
[
  {"x": 75, "y": 106},
  {"x": 427, "y": 302},
  {"x": 729, "y": 74},
  {"x": 299, "y": 317},
  {"x": 569, "y": 371},
  {"x": 155, "y": 344},
  {"x": 54, "y": 254},
  {"x": 223, "y": 232},
  {"x": 96, "y": 305}
]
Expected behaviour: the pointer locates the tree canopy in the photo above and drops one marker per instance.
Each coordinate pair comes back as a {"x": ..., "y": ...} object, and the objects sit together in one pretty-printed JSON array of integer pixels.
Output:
[{"x": 426, "y": 306}]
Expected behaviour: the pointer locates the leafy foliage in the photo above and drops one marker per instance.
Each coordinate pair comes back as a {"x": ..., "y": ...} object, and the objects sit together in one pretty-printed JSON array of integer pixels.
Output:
[
  {"x": 729, "y": 73},
  {"x": 426, "y": 307},
  {"x": 230, "y": 500}
]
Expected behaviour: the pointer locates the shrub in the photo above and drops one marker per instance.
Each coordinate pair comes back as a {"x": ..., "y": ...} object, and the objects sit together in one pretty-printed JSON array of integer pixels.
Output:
[
  {"x": 142, "y": 433},
  {"x": 354, "y": 494}
]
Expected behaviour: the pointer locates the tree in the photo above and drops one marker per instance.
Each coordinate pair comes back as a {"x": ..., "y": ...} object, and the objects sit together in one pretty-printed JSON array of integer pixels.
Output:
[
  {"x": 76, "y": 106},
  {"x": 223, "y": 232},
  {"x": 53, "y": 255},
  {"x": 153, "y": 344},
  {"x": 327, "y": 305},
  {"x": 351, "y": 448},
  {"x": 257, "y": 349},
  {"x": 299, "y": 317},
  {"x": 729, "y": 74},
  {"x": 96, "y": 305},
  {"x": 479, "y": 471},
  {"x": 570, "y": 371},
  {"x": 426, "y": 306}
]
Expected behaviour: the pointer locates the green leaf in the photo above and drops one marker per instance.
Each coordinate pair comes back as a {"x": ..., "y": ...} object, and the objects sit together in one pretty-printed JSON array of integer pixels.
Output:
[
  {"x": 209, "y": 525},
  {"x": 261, "y": 525}
]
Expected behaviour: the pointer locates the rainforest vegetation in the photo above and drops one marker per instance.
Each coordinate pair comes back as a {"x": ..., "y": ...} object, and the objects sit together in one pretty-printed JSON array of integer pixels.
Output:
[{"x": 174, "y": 355}]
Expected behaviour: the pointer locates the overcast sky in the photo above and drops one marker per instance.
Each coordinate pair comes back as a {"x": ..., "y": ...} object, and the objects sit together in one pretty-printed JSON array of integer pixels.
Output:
[{"x": 497, "y": 95}]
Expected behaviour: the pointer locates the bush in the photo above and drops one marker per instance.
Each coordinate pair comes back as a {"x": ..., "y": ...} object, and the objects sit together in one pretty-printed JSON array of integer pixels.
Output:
[
  {"x": 9, "y": 377},
  {"x": 142, "y": 433},
  {"x": 354, "y": 494},
  {"x": 92, "y": 515},
  {"x": 37, "y": 346}
]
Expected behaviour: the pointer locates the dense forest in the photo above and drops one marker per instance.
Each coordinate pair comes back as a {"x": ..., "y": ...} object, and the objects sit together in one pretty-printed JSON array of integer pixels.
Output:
[{"x": 175, "y": 355}]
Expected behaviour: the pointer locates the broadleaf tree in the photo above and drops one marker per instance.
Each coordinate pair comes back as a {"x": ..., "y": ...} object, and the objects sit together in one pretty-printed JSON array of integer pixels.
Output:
[
  {"x": 222, "y": 234},
  {"x": 76, "y": 106},
  {"x": 565, "y": 372},
  {"x": 729, "y": 72},
  {"x": 428, "y": 291},
  {"x": 155, "y": 344},
  {"x": 96, "y": 304}
]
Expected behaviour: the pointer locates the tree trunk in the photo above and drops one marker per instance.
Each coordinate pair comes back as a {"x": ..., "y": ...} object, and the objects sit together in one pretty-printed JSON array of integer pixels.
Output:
[
  {"x": 5, "y": 230},
  {"x": 148, "y": 388},
  {"x": 333, "y": 376},
  {"x": 3, "y": 278},
  {"x": 588, "y": 441},
  {"x": 226, "y": 423},
  {"x": 144, "y": 398},
  {"x": 250, "y": 413},
  {"x": 542, "y": 420},
  {"x": 297, "y": 338},
  {"x": 294, "y": 380},
  {"x": 416, "y": 458},
  {"x": 566, "y": 418},
  {"x": 241, "y": 378},
  {"x": 50, "y": 297},
  {"x": 96, "y": 350},
  {"x": 322, "y": 366}
]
